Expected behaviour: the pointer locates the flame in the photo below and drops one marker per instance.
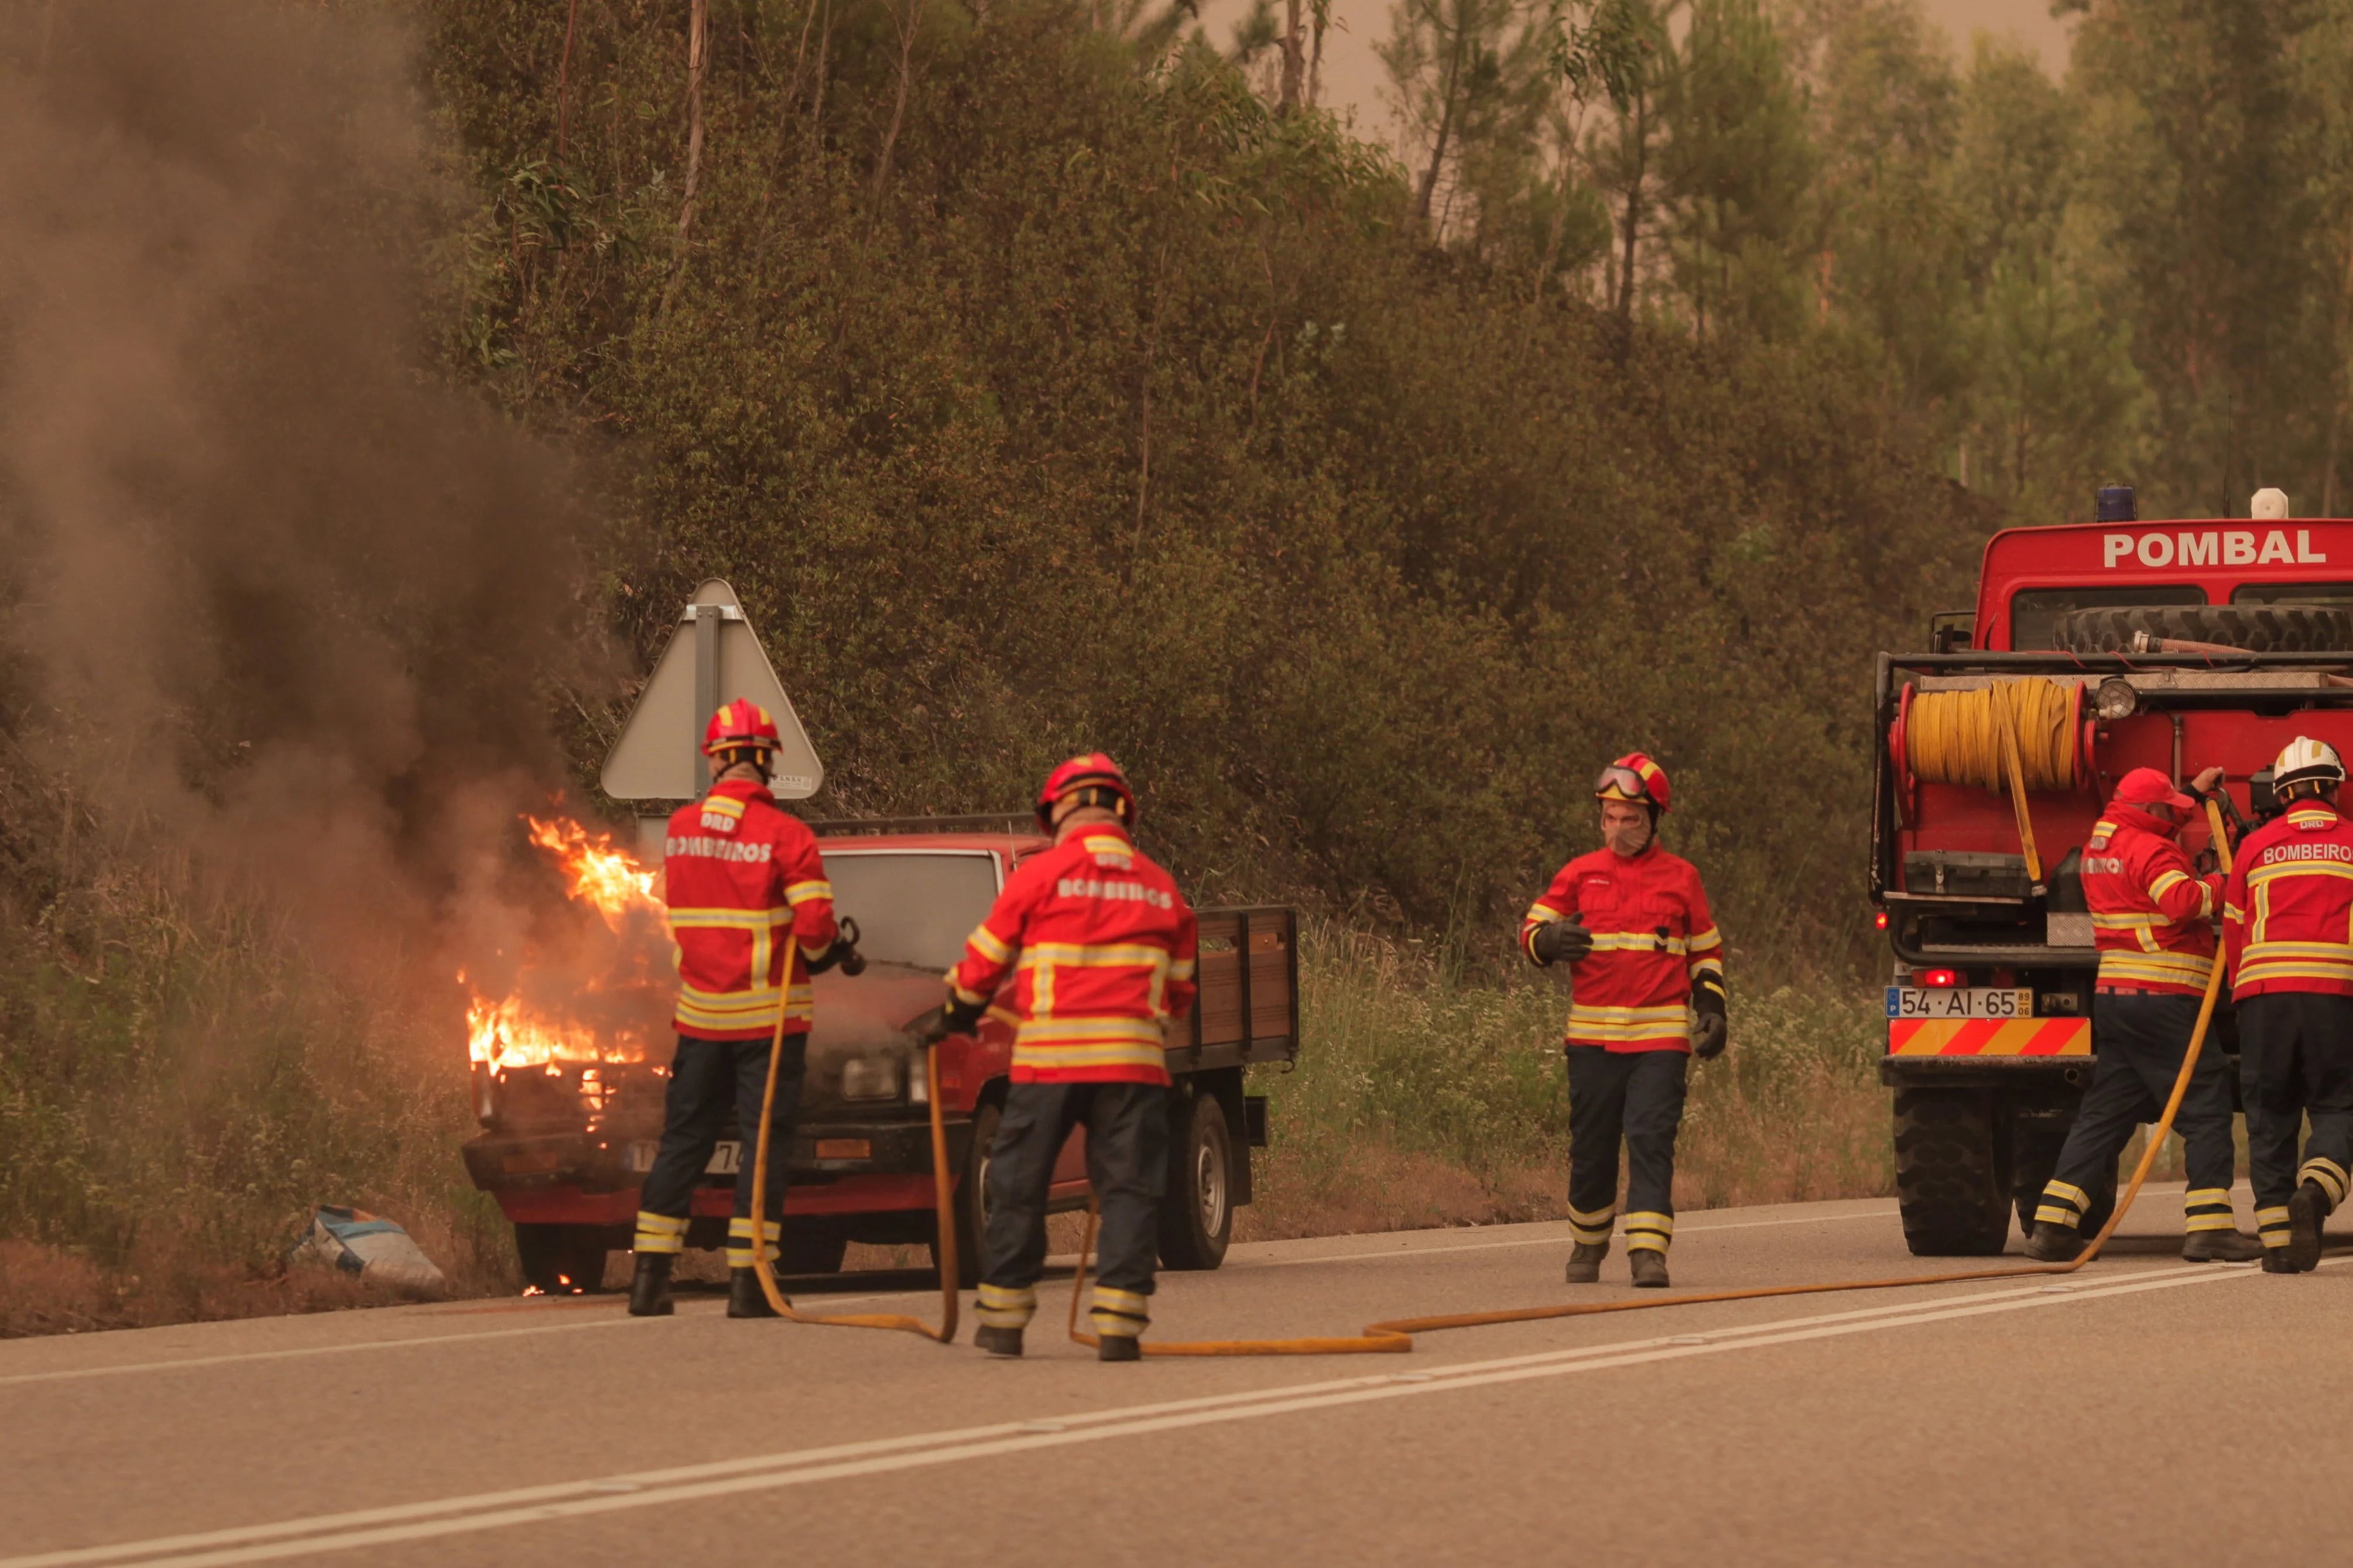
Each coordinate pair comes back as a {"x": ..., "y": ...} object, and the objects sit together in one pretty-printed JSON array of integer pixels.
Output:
[
  {"x": 601, "y": 875},
  {"x": 507, "y": 1033}
]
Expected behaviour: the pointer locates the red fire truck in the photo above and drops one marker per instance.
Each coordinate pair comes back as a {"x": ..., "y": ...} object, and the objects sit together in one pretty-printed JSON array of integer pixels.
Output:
[
  {"x": 564, "y": 1146},
  {"x": 2173, "y": 645}
]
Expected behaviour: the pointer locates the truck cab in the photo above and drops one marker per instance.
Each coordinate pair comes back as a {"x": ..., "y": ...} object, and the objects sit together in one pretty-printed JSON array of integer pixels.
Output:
[
  {"x": 2173, "y": 645},
  {"x": 564, "y": 1147}
]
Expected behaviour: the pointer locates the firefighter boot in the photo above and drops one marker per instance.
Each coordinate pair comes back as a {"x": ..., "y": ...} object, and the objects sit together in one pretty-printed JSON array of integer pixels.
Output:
[
  {"x": 1585, "y": 1262},
  {"x": 1119, "y": 1347},
  {"x": 1650, "y": 1267},
  {"x": 745, "y": 1297},
  {"x": 649, "y": 1287},
  {"x": 2305, "y": 1213},
  {"x": 2054, "y": 1243},
  {"x": 998, "y": 1341},
  {"x": 2275, "y": 1261},
  {"x": 2219, "y": 1247}
]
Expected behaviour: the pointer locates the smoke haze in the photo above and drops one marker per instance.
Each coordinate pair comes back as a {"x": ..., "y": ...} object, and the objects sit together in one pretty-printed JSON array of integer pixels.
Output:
[{"x": 266, "y": 579}]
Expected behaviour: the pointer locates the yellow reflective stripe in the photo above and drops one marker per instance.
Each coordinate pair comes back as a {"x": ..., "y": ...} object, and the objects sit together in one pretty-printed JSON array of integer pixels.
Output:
[
  {"x": 2272, "y": 873},
  {"x": 1106, "y": 844},
  {"x": 2050, "y": 1213},
  {"x": 1539, "y": 915},
  {"x": 1581, "y": 1013},
  {"x": 2173, "y": 968},
  {"x": 1048, "y": 1031},
  {"x": 2129, "y": 921},
  {"x": 742, "y": 1226},
  {"x": 653, "y": 1223},
  {"x": 1181, "y": 969},
  {"x": 1704, "y": 941},
  {"x": 986, "y": 943},
  {"x": 797, "y": 893},
  {"x": 1121, "y": 1301},
  {"x": 1707, "y": 966},
  {"x": 972, "y": 998},
  {"x": 2166, "y": 881},
  {"x": 1093, "y": 955},
  {"x": 729, "y": 920},
  {"x": 1636, "y": 941}
]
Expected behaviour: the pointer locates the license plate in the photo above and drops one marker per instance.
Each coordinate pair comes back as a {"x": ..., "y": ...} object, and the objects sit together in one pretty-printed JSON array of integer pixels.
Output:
[
  {"x": 726, "y": 1157},
  {"x": 1957, "y": 1002}
]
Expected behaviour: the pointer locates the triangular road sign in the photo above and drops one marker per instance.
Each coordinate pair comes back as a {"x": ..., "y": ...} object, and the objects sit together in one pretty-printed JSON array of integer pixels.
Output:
[{"x": 713, "y": 658}]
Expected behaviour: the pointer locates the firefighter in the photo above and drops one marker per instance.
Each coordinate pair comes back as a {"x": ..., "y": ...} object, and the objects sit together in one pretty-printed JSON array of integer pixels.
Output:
[
  {"x": 1101, "y": 946},
  {"x": 1646, "y": 994},
  {"x": 2285, "y": 914},
  {"x": 2152, "y": 922},
  {"x": 740, "y": 874}
]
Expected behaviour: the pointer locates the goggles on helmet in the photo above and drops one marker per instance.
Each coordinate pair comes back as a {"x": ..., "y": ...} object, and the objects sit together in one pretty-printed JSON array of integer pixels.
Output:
[{"x": 1623, "y": 783}]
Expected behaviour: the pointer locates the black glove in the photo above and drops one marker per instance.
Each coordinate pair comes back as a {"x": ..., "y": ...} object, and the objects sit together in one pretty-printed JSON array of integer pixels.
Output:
[
  {"x": 1561, "y": 940},
  {"x": 1709, "y": 1024},
  {"x": 962, "y": 1017}
]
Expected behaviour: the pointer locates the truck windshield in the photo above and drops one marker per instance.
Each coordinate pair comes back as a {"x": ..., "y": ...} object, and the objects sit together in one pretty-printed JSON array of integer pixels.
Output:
[
  {"x": 2032, "y": 611},
  {"x": 2293, "y": 593},
  {"x": 912, "y": 906}
]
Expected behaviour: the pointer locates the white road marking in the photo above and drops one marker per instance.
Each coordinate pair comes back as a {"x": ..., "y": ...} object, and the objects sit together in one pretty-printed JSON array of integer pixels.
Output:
[
  {"x": 236, "y": 1358},
  {"x": 607, "y": 1494}
]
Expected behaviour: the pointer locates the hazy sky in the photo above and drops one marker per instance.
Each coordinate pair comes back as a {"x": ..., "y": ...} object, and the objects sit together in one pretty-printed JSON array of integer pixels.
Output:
[{"x": 1353, "y": 77}]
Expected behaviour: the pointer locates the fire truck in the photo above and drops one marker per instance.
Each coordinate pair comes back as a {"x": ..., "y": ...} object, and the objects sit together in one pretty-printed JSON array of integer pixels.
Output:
[
  {"x": 565, "y": 1144},
  {"x": 2173, "y": 645}
]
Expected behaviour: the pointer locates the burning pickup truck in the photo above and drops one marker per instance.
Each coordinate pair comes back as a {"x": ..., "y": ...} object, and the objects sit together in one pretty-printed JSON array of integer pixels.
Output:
[
  {"x": 2095, "y": 649},
  {"x": 572, "y": 1113}
]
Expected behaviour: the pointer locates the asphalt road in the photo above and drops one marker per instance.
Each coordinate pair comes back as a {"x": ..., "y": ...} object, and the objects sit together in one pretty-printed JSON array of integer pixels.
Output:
[{"x": 2146, "y": 1411}]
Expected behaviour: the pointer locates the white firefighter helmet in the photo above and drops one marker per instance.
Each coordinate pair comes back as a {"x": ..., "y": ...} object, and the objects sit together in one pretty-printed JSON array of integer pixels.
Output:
[
  {"x": 2270, "y": 505},
  {"x": 2306, "y": 760}
]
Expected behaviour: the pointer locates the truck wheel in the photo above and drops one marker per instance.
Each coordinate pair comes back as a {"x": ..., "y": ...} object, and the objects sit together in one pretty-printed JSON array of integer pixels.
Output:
[
  {"x": 2258, "y": 628},
  {"x": 972, "y": 1200},
  {"x": 1952, "y": 1178},
  {"x": 802, "y": 1250},
  {"x": 1196, "y": 1215},
  {"x": 560, "y": 1260}
]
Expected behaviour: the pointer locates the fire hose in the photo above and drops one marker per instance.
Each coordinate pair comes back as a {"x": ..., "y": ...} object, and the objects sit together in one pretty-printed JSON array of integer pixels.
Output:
[
  {"x": 2010, "y": 737},
  {"x": 943, "y": 1197},
  {"x": 1396, "y": 1335}
]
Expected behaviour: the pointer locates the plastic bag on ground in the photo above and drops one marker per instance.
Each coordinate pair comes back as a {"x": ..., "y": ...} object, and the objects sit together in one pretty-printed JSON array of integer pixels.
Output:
[{"x": 374, "y": 1248}]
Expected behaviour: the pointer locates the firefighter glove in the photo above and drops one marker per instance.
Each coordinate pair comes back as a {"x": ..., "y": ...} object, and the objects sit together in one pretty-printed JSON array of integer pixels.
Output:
[
  {"x": 960, "y": 1017},
  {"x": 1562, "y": 941},
  {"x": 1709, "y": 1027}
]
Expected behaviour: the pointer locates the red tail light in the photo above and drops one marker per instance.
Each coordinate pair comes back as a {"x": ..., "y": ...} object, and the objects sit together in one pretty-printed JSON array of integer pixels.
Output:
[
  {"x": 1880, "y": 919},
  {"x": 1941, "y": 978}
]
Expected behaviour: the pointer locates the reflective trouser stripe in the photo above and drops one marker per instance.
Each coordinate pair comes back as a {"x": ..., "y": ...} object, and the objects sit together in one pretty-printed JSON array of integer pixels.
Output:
[
  {"x": 1593, "y": 1229},
  {"x": 2208, "y": 1208},
  {"x": 2330, "y": 1175},
  {"x": 1649, "y": 1232},
  {"x": 2063, "y": 1203},
  {"x": 740, "y": 1245},
  {"x": 1119, "y": 1314},
  {"x": 999, "y": 1307},
  {"x": 660, "y": 1232},
  {"x": 2271, "y": 1226}
]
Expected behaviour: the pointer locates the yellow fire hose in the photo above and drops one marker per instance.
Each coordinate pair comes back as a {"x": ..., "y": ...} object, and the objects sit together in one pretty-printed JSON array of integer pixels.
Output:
[
  {"x": 943, "y": 1197},
  {"x": 2009, "y": 737},
  {"x": 1396, "y": 1335}
]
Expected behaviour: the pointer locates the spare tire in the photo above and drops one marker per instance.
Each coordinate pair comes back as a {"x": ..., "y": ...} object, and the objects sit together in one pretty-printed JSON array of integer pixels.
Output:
[{"x": 2258, "y": 628}]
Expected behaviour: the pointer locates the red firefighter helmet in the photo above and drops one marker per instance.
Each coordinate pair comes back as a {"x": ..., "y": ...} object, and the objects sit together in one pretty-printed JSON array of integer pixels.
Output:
[
  {"x": 740, "y": 725},
  {"x": 1091, "y": 772},
  {"x": 1636, "y": 778}
]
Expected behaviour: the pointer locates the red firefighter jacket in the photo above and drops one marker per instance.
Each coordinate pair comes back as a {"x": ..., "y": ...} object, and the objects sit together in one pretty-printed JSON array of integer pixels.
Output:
[
  {"x": 2151, "y": 913},
  {"x": 1652, "y": 936},
  {"x": 2287, "y": 910},
  {"x": 740, "y": 874},
  {"x": 1101, "y": 946}
]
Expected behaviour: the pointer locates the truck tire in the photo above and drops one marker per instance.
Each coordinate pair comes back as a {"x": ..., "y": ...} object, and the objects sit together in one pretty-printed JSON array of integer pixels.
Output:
[
  {"x": 1197, "y": 1214},
  {"x": 2258, "y": 628},
  {"x": 972, "y": 1199},
  {"x": 805, "y": 1249},
  {"x": 560, "y": 1260},
  {"x": 1952, "y": 1173}
]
